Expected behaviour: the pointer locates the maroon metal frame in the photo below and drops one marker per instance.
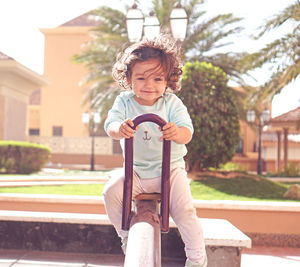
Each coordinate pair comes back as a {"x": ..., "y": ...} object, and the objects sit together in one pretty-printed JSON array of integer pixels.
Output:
[{"x": 165, "y": 175}]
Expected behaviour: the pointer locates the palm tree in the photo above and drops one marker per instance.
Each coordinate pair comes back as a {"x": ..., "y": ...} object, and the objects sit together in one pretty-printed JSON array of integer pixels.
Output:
[
  {"x": 203, "y": 36},
  {"x": 282, "y": 54},
  {"x": 99, "y": 56}
]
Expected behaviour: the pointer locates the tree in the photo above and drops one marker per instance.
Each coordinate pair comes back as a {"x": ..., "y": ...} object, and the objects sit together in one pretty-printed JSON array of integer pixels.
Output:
[
  {"x": 99, "y": 56},
  {"x": 213, "y": 110},
  {"x": 281, "y": 55},
  {"x": 203, "y": 36}
]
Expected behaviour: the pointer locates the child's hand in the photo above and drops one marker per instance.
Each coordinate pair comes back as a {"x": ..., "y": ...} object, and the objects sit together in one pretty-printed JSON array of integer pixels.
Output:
[
  {"x": 125, "y": 130},
  {"x": 170, "y": 132}
]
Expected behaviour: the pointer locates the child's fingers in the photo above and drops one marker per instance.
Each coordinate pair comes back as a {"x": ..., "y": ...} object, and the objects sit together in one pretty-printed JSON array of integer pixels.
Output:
[
  {"x": 129, "y": 122},
  {"x": 170, "y": 131},
  {"x": 125, "y": 130},
  {"x": 169, "y": 125},
  {"x": 169, "y": 136}
]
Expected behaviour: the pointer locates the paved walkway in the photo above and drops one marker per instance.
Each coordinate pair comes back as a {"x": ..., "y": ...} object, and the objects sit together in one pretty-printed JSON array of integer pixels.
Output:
[
  {"x": 285, "y": 179},
  {"x": 255, "y": 257},
  {"x": 18, "y": 258},
  {"x": 39, "y": 180},
  {"x": 58, "y": 177},
  {"x": 271, "y": 257}
]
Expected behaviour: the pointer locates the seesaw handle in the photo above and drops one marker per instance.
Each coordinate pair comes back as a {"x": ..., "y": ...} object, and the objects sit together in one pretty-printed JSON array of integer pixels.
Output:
[{"x": 165, "y": 175}]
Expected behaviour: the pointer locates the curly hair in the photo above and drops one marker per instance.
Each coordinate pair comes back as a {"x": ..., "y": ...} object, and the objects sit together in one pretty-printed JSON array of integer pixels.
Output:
[{"x": 163, "y": 47}]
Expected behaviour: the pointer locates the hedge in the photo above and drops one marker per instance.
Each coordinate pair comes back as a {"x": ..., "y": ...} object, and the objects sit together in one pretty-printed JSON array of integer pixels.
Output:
[{"x": 18, "y": 157}]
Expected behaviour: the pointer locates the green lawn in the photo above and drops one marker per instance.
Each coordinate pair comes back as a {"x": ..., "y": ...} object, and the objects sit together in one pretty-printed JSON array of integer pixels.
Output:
[
  {"x": 208, "y": 188},
  {"x": 240, "y": 188}
]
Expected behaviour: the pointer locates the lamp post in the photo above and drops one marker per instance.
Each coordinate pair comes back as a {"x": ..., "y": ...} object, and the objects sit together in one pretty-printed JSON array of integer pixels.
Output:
[
  {"x": 262, "y": 121},
  {"x": 91, "y": 120},
  {"x": 137, "y": 24}
]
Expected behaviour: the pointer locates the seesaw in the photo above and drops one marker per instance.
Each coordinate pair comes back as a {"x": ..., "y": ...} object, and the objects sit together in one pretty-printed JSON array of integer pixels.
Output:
[{"x": 145, "y": 223}]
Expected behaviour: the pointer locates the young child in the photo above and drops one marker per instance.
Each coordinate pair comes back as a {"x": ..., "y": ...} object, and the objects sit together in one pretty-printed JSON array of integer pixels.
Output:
[{"x": 148, "y": 70}]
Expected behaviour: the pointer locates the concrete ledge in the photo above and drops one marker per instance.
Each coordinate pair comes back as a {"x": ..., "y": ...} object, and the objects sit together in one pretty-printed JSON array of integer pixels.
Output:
[
  {"x": 57, "y": 199},
  {"x": 274, "y": 240},
  {"x": 217, "y": 232},
  {"x": 248, "y": 205},
  {"x": 201, "y": 204}
]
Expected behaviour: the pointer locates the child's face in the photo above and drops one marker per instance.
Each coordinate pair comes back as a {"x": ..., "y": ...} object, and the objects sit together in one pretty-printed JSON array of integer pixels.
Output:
[{"x": 148, "y": 81}]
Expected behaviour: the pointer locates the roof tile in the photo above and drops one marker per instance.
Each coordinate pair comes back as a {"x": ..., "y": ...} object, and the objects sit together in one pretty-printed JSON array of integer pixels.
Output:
[
  {"x": 86, "y": 19},
  {"x": 291, "y": 116},
  {"x": 5, "y": 57}
]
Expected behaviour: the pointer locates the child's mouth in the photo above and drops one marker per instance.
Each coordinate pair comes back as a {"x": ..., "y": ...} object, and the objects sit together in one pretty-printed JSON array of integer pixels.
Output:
[{"x": 148, "y": 92}]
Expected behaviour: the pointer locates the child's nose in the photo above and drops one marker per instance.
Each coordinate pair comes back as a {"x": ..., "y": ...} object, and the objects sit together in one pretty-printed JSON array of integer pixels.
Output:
[{"x": 149, "y": 82}]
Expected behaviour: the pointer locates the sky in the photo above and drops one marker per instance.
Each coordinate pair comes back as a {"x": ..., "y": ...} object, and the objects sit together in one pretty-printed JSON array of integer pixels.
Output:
[{"x": 21, "y": 39}]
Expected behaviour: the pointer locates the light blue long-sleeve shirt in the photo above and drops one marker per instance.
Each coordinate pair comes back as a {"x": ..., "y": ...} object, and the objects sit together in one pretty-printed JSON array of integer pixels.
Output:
[{"x": 147, "y": 162}]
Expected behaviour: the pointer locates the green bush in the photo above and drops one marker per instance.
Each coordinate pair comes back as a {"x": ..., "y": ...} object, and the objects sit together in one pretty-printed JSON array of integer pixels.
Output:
[
  {"x": 22, "y": 157},
  {"x": 213, "y": 108},
  {"x": 291, "y": 170},
  {"x": 230, "y": 167}
]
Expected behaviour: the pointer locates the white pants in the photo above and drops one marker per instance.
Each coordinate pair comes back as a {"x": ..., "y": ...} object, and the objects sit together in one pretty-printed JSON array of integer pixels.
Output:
[{"x": 181, "y": 207}]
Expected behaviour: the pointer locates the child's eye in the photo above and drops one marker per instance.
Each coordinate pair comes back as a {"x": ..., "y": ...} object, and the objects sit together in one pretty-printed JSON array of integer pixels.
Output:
[
  {"x": 141, "y": 78},
  {"x": 158, "y": 79}
]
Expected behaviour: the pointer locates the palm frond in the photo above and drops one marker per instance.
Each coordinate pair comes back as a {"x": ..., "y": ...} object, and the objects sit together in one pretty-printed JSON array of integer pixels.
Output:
[
  {"x": 282, "y": 55},
  {"x": 279, "y": 80},
  {"x": 280, "y": 52},
  {"x": 292, "y": 12},
  {"x": 99, "y": 56}
]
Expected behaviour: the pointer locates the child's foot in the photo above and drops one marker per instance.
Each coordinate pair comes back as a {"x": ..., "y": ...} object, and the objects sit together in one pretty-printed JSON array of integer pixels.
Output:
[
  {"x": 188, "y": 263},
  {"x": 124, "y": 244}
]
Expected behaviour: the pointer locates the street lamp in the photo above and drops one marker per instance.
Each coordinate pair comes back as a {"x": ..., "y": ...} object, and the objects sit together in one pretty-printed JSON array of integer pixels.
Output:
[
  {"x": 136, "y": 23},
  {"x": 178, "y": 21},
  {"x": 262, "y": 121},
  {"x": 91, "y": 120},
  {"x": 151, "y": 25}
]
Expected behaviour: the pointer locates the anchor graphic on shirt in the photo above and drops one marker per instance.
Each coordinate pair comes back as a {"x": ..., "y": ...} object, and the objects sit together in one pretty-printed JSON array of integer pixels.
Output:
[{"x": 146, "y": 136}]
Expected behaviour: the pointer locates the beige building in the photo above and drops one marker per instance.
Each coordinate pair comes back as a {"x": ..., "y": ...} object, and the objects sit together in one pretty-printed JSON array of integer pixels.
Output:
[
  {"x": 16, "y": 85},
  {"x": 56, "y": 110}
]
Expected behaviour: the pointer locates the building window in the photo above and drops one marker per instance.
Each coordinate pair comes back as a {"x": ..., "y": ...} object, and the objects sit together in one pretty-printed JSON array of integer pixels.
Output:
[
  {"x": 35, "y": 132},
  {"x": 57, "y": 131},
  {"x": 254, "y": 147},
  {"x": 35, "y": 97},
  {"x": 116, "y": 147},
  {"x": 240, "y": 146}
]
